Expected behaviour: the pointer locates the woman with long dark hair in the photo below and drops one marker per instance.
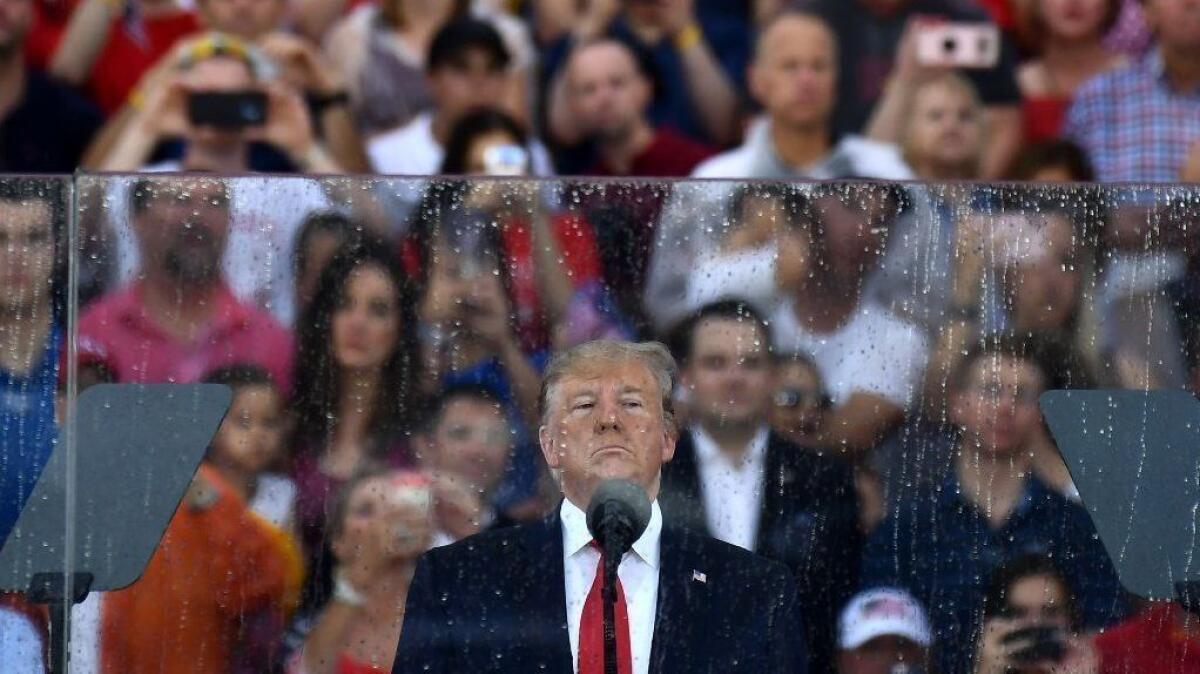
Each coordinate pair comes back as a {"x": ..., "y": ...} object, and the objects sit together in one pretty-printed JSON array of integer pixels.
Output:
[{"x": 353, "y": 396}]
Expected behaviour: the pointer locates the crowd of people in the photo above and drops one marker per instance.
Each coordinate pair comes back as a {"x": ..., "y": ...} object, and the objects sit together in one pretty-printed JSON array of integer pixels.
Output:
[{"x": 863, "y": 325}]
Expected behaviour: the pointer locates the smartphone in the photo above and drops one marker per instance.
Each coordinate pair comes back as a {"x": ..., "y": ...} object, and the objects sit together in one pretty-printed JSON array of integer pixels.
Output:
[
  {"x": 1040, "y": 643},
  {"x": 230, "y": 110},
  {"x": 506, "y": 160},
  {"x": 959, "y": 45}
]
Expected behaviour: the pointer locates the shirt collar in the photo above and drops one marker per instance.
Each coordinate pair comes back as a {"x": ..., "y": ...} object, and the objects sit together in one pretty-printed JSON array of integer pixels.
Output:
[
  {"x": 576, "y": 536},
  {"x": 707, "y": 449}
]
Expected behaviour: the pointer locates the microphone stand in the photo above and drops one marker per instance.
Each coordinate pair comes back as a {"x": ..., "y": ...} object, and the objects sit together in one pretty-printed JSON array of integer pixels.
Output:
[{"x": 612, "y": 560}]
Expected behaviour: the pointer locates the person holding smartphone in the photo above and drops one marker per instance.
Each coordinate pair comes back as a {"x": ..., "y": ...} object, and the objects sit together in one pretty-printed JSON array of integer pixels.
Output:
[
  {"x": 1030, "y": 622},
  {"x": 215, "y": 95}
]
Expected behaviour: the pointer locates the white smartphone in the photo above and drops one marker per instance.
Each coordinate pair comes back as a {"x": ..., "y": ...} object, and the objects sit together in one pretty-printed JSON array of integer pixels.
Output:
[{"x": 959, "y": 45}]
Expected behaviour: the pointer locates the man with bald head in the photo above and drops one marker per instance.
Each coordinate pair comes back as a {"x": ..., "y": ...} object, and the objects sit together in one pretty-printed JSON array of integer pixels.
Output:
[
  {"x": 794, "y": 78},
  {"x": 527, "y": 598},
  {"x": 609, "y": 91}
]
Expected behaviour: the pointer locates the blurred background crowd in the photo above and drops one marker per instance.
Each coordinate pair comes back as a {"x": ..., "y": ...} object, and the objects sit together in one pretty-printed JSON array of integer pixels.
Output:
[{"x": 863, "y": 312}]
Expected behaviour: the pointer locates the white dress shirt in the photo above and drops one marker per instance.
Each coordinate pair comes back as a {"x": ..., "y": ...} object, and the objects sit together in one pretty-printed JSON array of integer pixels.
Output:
[
  {"x": 732, "y": 488},
  {"x": 638, "y": 572}
]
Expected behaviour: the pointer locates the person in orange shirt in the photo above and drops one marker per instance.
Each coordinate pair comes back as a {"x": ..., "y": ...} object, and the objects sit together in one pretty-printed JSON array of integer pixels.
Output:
[{"x": 210, "y": 600}]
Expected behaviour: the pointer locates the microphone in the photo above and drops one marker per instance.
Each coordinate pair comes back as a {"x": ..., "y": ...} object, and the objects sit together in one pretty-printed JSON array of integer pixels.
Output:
[{"x": 617, "y": 515}]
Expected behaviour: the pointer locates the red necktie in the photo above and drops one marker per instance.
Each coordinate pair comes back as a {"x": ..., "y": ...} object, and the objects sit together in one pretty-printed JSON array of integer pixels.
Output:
[{"x": 591, "y": 628}]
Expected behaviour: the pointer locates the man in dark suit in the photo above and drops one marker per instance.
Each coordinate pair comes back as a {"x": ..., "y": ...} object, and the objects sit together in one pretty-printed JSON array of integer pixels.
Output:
[
  {"x": 737, "y": 481},
  {"x": 526, "y": 598}
]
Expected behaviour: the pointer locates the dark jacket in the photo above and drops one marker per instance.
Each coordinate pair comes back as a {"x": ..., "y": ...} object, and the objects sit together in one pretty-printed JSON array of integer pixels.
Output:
[
  {"x": 809, "y": 522},
  {"x": 496, "y": 602}
]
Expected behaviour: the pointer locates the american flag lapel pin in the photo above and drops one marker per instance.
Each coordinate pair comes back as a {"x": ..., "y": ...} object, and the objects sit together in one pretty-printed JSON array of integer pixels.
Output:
[{"x": 699, "y": 576}]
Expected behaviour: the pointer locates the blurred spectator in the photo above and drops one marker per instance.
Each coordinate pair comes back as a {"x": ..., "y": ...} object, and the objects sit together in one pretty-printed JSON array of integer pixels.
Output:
[
  {"x": 465, "y": 446},
  {"x": 354, "y": 400},
  {"x": 879, "y": 66},
  {"x": 247, "y": 446},
  {"x": 380, "y": 51},
  {"x": 44, "y": 127},
  {"x": 216, "y": 64},
  {"x": 1138, "y": 123},
  {"x": 497, "y": 272},
  {"x": 211, "y": 599},
  {"x": 265, "y": 213},
  {"x": 1030, "y": 622},
  {"x": 379, "y": 526},
  {"x": 883, "y": 631},
  {"x": 942, "y": 542},
  {"x": 179, "y": 319},
  {"x": 794, "y": 76},
  {"x": 467, "y": 68},
  {"x": 800, "y": 399},
  {"x": 32, "y": 212},
  {"x": 763, "y": 251},
  {"x": 699, "y": 78},
  {"x": 735, "y": 480},
  {"x": 23, "y": 635},
  {"x": 1067, "y": 37},
  {"x": 943, "y": 135},
  {"x": 608, "y": 92},
  {"x": 107, "y": 46},
  {"x": 1020, "y": 271},
  {"x": 871, "y": 360},
  {"x": 320, "y": 236},
  {"x": 1163, "y": 637},
  {"x": 1055, "y": 161}
]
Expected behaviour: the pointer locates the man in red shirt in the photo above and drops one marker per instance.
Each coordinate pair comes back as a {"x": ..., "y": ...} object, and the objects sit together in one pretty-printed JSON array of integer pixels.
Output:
[
  {"x": 180, "y": 320},
  {"x": 609, "y": 93}
]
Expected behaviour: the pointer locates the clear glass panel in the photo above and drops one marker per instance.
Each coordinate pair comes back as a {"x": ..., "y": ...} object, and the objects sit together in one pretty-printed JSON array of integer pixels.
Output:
[{"x": 859, "y": 372}]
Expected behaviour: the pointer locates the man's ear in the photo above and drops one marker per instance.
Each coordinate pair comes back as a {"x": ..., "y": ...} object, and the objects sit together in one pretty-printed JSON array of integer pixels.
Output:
[
  {"x": 670, "y": 437},
  {"x": 549, "y": 452}
]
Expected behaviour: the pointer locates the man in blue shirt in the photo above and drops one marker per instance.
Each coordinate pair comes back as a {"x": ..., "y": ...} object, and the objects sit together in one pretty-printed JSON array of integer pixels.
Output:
[
  {"x": 29, "y": 337},
  {"x": 943, "y": 542}
]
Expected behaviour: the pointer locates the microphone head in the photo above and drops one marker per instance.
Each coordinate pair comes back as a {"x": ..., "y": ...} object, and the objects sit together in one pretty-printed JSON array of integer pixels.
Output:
[{"x": 618, "y": 508}]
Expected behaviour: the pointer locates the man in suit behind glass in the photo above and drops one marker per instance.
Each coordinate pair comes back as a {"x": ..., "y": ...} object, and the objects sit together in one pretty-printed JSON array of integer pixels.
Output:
[
  {"x": 527, "y": 598},
  {"x": 735, "y": 480}
]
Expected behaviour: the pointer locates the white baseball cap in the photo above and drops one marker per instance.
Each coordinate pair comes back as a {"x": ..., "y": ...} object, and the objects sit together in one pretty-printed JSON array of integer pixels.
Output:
[{"x": 882, "y": 612}]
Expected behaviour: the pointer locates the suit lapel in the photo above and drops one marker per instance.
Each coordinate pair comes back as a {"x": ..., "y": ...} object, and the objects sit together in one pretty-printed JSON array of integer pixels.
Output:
[
  {"x": 684, "y": 603},
  {"x": 539, "y": 587},
  {"x": 776, "y": 477},
  {"x": 689, "y": 510}
]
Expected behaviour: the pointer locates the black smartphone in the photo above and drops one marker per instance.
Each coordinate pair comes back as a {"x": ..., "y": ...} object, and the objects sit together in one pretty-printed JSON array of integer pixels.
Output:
[
  {"x": 231, "y": 110},
  {"x": 1039, "y": 643}
]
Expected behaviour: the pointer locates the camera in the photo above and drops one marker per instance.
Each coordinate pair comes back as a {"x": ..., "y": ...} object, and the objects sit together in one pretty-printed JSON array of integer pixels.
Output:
[
  {"x": 227, "y": 110},
  {"x": 959, "y": 45}
]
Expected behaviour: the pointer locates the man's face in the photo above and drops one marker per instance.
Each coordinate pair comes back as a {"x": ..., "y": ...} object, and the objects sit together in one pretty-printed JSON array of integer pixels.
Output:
[
  {"x": 471, "y": 442},
  {"x": 997, "y": 409},
  {"x": 15, "y": 18},
  {"x": 26, "y": 255},
  {"x": 854, "y": 229},
  {"x": 608, "y": 92},
  {"x": 1175, "y": 22},
  {"x": 880, "y": 656},
  {"x": 183, "y": 230},
  {"x": 473, "y": 81},
  {"x": 606, "y": 422},
  {"x": 247, "y": 19},
  {"x": 795, "y": 72},
  {"x": 728, "y": 374}
]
